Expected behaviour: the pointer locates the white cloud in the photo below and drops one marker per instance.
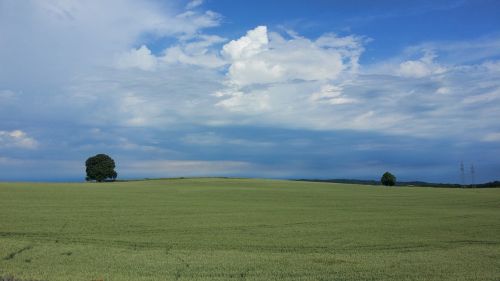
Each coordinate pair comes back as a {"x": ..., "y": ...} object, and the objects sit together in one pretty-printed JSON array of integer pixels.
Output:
[
  {"x": 443, "y": 90},
  {"x": 288, "y": 83},
  {"x": 193, "y": 4},
  {"x": 376, "y": 101},
  {"x": 72, "y": 38},
  {"x": 260, "y": 57},
  {"x": 189, "y": 23},
  {"x": 253, "y": 43},
  {"x": 137, "y": 58},
  {"x": 138, "y": 110},
  {"x": 471, "y": 51},
  {"x": 246, "y": 103},
  {"x": 261, "y": 60},
  {"x": 171, "y": 95},
  {"x": 262, "y": 78},
  {"x": 483, "y": 97},
  {"x": 492, "y": 65},
  {"x": 258, "y": 71},
  {"x": 330, "y": 94},
  {"x": 422, "y": 67},
  {"x": 17, "y": 138},
  {"x": 198, "y": 51}
]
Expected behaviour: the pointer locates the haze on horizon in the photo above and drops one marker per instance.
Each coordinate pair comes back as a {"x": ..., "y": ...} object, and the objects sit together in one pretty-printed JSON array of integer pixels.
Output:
[{"x": 278, "y": 89}]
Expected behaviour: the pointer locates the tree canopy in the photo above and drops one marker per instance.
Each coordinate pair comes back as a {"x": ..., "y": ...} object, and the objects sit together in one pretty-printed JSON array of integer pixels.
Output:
[
  {"x": 100, "y": 168},
  {"x": 388, "y": 179}
]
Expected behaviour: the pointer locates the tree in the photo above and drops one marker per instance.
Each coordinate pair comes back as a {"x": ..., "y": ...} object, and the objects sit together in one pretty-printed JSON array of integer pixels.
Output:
[
  {"x": 388, "y": 179},
  {"x": 100, "y": 168}
]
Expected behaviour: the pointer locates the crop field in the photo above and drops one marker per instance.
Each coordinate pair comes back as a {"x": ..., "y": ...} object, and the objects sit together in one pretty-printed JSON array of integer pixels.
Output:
[{"x": 247, "y": 229}]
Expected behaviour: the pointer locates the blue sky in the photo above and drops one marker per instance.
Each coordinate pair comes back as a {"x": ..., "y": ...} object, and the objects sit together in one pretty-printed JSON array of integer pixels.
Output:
[{"x": 279, "y": 89}]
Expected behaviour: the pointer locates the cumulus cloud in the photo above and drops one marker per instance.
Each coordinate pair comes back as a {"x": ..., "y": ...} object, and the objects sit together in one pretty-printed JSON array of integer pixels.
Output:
[
  {"x": 261, "y": 57},
  {"x": 441, "y": 101},
  {"x": 263, "y": 64},
  {"x": 270, "y": 79},
  {"x": 422, "y": 67},
  {"x": 139, "y": 58},
  {"x": 17, "y": 139},
  {"x": 254, "y": 42}
]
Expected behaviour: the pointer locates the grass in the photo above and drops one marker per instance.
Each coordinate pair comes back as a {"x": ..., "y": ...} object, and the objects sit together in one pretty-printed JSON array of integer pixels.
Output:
[{"x": 243, "y": 229}]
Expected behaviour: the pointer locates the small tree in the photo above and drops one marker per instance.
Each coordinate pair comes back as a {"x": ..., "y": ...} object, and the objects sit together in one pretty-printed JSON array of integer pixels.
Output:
[
  {"x": 388, "y": 179},
  {"x": 100, "y": 167}
]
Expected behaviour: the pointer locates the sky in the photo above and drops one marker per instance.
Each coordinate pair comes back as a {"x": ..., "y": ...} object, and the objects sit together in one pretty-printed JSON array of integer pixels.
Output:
[{"x": 270, "y": 89}]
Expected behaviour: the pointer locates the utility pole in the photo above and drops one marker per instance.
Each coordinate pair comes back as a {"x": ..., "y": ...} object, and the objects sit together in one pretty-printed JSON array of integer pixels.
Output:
[
  {"x": 462, "y": 173},
  {"x": 472, "y": 174}
]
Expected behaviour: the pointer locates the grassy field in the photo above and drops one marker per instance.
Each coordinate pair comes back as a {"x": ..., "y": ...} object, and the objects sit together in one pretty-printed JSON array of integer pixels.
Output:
[{"x": 232, "y": 229}]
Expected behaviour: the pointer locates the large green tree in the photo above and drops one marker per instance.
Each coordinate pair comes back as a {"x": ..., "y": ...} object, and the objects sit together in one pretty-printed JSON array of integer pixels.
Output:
[
  {"x": 388, "y": 179},
  {"x": 100, "y": 168}
]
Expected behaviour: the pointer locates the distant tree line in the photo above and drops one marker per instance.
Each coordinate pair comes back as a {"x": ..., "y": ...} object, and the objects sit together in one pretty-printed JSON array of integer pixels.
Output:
[{"x": 493, "y": 184}]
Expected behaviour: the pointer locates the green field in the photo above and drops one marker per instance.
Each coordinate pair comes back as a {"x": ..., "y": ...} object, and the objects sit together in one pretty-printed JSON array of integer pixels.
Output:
[{"x": 239, "y": 229}]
